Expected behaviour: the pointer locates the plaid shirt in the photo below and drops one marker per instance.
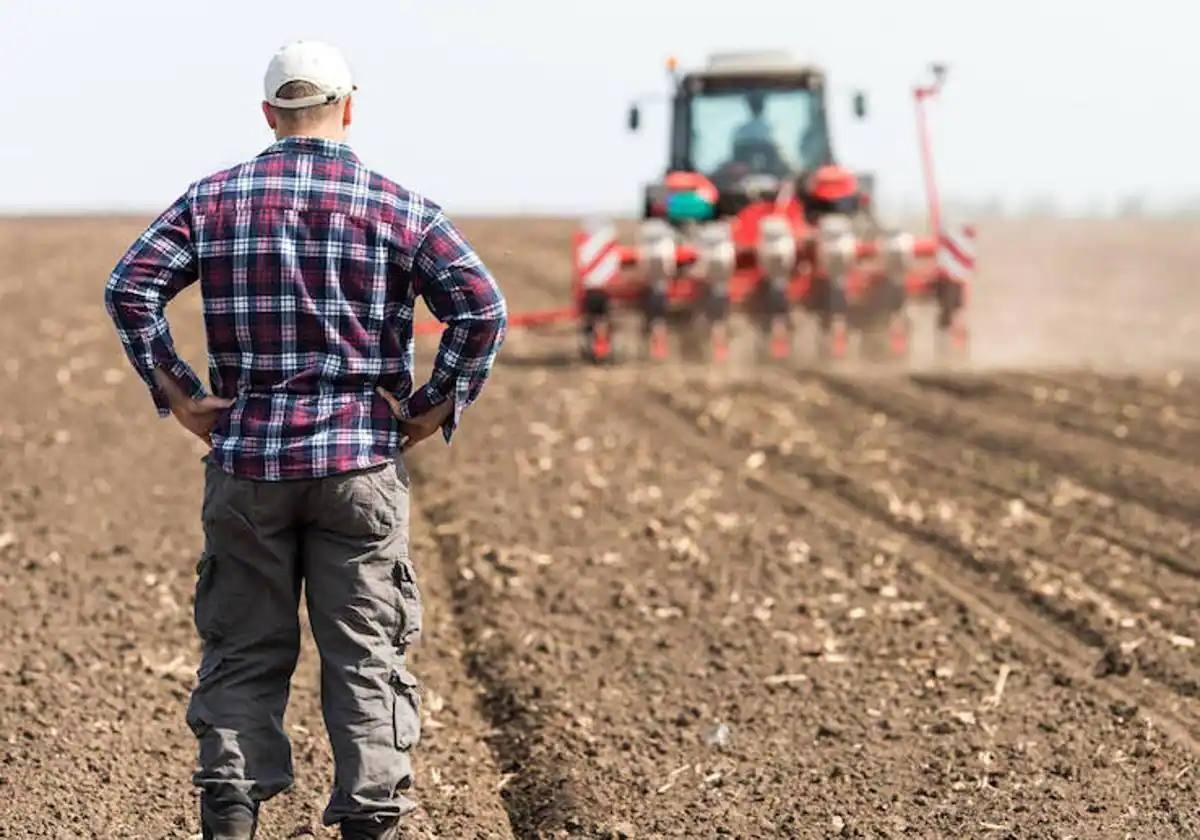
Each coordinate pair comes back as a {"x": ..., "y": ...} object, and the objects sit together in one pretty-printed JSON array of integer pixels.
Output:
[{"x": 309, "y": 267}]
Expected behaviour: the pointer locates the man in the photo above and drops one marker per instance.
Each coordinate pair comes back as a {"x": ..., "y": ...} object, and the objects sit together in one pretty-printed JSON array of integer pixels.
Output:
[
  {"x": 309, "y": 266},
  {"x": 754, "y": 145},
  {"x": 756, "y": 129}
]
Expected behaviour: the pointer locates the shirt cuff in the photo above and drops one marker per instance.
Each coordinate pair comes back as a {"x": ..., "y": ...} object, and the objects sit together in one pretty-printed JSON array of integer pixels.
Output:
[
  {"x": 182, "y": 373},
  {"x": 461, "y": 400},
  {"x": 428, "y": 396}
]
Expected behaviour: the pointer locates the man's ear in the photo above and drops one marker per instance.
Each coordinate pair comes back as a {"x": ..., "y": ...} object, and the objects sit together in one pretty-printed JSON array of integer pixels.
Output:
[
  {"x": 348, "y": 112},
  {"x": 269, "y": 113}
]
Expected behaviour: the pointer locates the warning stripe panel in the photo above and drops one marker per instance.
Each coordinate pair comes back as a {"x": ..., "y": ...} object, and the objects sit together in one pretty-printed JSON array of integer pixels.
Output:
[
  {"x": 965, "y": 243},
  {"x": 585, "y": 268},
  {"x": 591, "y": 249},
  {"x": 962, "y": 240},
  {"x": 604, "y": 270},
  {"x": 956, "y": 253},
  {"x": 955, "y": 250}
]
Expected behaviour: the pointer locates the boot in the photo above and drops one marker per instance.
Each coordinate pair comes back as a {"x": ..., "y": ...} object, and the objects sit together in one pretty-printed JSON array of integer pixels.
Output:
[{"x": 225, "y": 819}]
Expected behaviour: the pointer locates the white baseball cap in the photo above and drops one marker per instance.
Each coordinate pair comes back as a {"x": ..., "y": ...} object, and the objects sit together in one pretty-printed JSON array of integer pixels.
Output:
[{"x": 314, "y": 62}]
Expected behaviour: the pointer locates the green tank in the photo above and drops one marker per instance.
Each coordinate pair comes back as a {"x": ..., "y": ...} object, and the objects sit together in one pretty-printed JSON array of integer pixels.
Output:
[{"x": 689, "y": 207}]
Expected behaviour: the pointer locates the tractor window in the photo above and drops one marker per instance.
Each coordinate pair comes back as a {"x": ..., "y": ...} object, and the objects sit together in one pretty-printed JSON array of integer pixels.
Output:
[{"x": 771, "y": 131}]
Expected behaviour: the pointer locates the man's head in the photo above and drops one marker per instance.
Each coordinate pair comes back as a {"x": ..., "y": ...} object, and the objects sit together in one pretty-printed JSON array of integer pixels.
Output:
[
  {"x": 307, "y": 92},
  {"x": 757, "y": 102}
]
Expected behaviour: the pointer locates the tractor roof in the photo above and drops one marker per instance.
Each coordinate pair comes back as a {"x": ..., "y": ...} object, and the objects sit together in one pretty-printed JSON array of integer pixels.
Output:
[{"x": 760, "y": 64}]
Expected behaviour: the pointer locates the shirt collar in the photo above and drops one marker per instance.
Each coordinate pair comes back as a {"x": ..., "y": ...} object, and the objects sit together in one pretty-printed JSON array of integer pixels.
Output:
[{"x": 311, "y": 146}]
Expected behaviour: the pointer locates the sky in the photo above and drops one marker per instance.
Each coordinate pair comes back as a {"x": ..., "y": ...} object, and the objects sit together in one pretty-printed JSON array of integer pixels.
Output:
[{"x": 519, "y": 105}]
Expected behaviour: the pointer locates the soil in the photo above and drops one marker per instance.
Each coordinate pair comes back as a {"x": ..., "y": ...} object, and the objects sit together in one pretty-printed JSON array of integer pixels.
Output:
[{"x": 664, "y": 600}]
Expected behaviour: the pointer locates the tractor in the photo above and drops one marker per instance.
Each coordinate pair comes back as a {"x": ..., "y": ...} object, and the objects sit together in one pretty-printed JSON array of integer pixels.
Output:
[{"x": 755, "y": 218}]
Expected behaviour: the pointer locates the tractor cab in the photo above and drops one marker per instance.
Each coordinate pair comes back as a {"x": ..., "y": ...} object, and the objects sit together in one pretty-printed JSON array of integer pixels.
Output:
[
  {"x": 755, "y": 217},
  {"x": 748, "y": 124}
]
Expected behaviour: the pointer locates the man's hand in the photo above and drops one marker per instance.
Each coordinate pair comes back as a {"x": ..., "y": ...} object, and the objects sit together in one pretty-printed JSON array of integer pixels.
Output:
[
  {"x": 416, "y": 429},
  {"x": 197, "y": 416}
]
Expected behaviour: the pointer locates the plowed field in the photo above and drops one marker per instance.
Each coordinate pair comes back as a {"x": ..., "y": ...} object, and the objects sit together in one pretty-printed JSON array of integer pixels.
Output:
[{"x": 665, "y": 600}]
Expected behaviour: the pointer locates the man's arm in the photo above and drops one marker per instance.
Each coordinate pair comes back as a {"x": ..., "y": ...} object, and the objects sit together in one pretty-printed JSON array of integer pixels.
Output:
[
  {"x": 160, "y": 264},
  {"x": 463, "y": 295}
]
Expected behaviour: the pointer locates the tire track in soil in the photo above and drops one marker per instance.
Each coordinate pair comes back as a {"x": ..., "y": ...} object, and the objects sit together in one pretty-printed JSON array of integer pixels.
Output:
[
  {"x": 1087, "y": 582},
  {"x": 1137, "y": 530},
  {"x": 1133, "y": 609},
  {"x": 1158, "y": 484},
  {"x": 1100, "y": 417},
  {"x": 967, "y": 579},
  {"x": 1124, "y": 521}
]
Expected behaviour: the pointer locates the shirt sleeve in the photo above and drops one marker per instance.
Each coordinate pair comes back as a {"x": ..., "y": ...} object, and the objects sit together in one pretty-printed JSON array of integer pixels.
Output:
[
  {"x": 463, "y": 295},
  {"x": 160, "y": 264}
]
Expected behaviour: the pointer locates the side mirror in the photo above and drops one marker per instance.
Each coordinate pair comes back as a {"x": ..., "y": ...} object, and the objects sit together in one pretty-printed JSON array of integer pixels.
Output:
[
  {"x": 860, "y": 105},
  {"x": 635, "y": 117}
]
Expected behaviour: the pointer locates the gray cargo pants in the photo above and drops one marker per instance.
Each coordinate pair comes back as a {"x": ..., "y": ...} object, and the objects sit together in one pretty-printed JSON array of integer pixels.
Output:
[{"x": 345, "y": 537}]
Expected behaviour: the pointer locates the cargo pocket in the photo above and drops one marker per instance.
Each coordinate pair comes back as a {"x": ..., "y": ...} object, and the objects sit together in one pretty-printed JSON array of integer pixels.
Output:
[
  {"x": 207, "y": 615},
  {"x": 406, "y": 709},
  {"x": 409, "y": 604},
  {"x": 205, "y": 607}
]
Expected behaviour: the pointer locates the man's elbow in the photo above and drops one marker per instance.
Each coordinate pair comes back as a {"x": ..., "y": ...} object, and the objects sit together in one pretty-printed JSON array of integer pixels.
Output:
[
  {"x": 492, "y": 330},
  {"x": 112, "y": 295},
  {"x": 494, "y": 317},
  {"x": 125, "y": 299}
]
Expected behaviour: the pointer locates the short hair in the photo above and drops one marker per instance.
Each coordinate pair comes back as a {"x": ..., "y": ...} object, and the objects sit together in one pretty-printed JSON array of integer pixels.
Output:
[{"x": 297, "y": 117}]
